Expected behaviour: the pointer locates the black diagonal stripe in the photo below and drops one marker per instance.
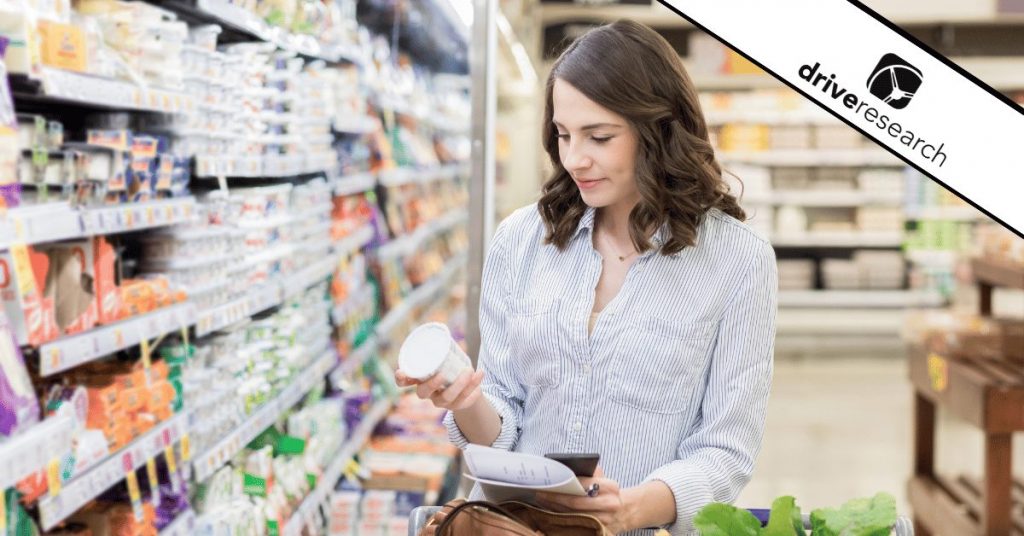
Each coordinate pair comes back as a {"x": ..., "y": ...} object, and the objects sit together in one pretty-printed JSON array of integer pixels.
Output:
[{"x": 920, "y": 45}]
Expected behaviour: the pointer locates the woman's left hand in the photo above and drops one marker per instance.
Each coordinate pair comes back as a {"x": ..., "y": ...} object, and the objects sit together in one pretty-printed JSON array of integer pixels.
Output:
[{"x": 608, "y": 506}]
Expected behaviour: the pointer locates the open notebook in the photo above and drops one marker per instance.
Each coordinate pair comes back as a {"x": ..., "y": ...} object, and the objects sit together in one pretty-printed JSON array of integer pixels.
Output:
[{"x": 515, "y": 476}]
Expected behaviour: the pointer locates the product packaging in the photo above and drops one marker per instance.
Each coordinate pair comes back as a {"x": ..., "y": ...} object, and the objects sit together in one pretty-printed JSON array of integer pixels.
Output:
[
  {"x": 19, "y": 408},
  {"x": 430, "y": 350},
  {"x": 23, "y": 276}
]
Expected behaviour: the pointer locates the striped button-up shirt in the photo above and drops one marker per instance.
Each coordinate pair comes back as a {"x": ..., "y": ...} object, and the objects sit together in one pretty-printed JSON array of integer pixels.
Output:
[{"x": 672, "y": 383}]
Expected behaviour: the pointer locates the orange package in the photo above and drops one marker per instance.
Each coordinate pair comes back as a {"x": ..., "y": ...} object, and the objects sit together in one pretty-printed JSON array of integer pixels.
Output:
[
  {"x": 132, "y": 399},
  {"x": 137, "y": 297},
  {"x": 108, "y": 296}
]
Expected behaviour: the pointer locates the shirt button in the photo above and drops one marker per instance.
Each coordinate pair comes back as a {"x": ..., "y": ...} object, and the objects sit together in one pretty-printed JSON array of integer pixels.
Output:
[{"x": 578, "y": 426}]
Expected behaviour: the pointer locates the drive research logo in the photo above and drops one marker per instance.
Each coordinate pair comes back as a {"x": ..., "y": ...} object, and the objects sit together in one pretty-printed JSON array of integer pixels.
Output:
[{"x": 894, "y": 81}]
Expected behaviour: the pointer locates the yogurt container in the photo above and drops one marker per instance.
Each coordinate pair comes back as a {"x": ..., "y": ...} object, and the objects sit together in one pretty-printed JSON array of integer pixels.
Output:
[{"x": 430, "y": 350}]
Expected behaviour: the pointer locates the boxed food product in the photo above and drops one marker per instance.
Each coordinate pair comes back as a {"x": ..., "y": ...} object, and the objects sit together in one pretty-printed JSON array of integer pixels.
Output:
[
  {"x": 71, "y": 281},
  {"x": 30, "y": 310}
]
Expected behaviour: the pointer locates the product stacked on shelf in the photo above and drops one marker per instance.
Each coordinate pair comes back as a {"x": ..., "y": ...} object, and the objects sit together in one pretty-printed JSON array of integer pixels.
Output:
[
  {"x": 410, "y": 462},
  {"x": 972, "y": 365},
  {"x": 172, "y": 381}
]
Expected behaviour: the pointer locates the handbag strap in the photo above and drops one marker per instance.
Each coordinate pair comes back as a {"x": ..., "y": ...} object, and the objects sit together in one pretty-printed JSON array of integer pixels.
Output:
[{"x": 481, "y": 504}]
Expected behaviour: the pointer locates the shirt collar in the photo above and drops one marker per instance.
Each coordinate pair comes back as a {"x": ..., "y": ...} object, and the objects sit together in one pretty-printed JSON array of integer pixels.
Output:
[{"x": 660, "y": 236}]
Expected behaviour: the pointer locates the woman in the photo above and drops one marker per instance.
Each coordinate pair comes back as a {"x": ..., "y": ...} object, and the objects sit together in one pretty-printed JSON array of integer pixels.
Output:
[{"x": 630, "y": 312}]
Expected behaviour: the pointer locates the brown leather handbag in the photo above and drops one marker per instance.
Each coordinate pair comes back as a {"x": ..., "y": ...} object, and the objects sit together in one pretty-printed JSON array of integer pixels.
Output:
[{"x": 480, "y": 518}]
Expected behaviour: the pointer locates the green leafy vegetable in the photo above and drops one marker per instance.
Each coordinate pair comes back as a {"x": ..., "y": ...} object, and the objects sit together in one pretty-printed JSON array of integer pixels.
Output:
[
  {"x": 859, "y": 517},
  {"x": 784, "y": 519},
  {"x": 719, "y": 519}
]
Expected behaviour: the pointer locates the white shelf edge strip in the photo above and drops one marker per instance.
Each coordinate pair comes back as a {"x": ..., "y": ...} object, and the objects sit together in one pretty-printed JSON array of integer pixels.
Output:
[
  {"x": 30, "y": 450},
  {"x": 74, "y": 350},
  {"x": 342, "y": 310},
  {"x": 182, "y": 525},
  {"x": 358, "y": 357},
  {"x": 208, "y": 462},
  {"x": 89, "y": 484},
  {"x": 354, "y": 184},
  {"x": 59, "y": 221},
  {"x": 333, "y": 472}
]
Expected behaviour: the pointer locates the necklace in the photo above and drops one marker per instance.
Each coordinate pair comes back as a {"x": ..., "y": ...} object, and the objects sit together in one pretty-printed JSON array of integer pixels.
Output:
[{"x": 622, "y": 258}]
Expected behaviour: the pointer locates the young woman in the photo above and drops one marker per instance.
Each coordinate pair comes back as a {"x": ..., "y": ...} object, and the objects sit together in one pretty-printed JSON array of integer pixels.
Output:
[{"x": 629, "y": 312}]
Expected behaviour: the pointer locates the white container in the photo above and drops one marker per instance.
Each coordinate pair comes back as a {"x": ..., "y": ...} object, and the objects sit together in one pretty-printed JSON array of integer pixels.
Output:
[{"x": 430, "y": 350}]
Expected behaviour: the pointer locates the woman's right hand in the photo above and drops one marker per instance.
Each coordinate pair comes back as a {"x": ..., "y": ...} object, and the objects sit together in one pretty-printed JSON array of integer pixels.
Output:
[{"x": 461, "y": 394}]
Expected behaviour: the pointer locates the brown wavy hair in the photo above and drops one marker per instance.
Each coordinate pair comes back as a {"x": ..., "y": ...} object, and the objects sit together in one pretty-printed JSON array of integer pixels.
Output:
[{"x": 629, "y": 69}]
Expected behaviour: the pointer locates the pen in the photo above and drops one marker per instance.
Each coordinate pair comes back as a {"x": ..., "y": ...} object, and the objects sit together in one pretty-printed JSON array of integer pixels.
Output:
[{"x": 594, "y": 488}]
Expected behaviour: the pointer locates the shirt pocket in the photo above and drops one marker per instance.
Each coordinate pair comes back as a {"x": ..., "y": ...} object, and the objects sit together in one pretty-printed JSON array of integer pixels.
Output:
[
  {"x": 534, "y": 338},
  {"x": 657, "y": 363}
]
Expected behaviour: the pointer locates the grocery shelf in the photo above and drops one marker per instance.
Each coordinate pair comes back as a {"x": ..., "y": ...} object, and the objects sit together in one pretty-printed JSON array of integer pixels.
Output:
[
  {"x": 74, "y": 350},
  {"x": 406, "y": 244},
  {"x": 986, "y": 393},
  {"x": 824, "y": 198},
  {"x": 851, "y": 239},
  {"x": 709, "y": 82},
  {"x": 221, "y": 316},
  {"x": 801, "y": 116},
  {"x": 834, "y": 321},
  {"x": 49, "y": 222},
  {"x": 273, "y": 293},
  {"x": 59, "y": 85},
  {"x": 30, "y": 450},
  {"x": 333, "y": 472},
  {"x": 357, "y": 357},
  {"x": 813, "y": 157},
  {"x": 860, "y": 298},
  {"x": 938, "y": 257},
  {"x": 267, "y": 166},
  {"x": 89, "y": 484},
  {"x": 248, "y": 26},
  {"x": 406, "y": 175},
  {"x": 354, "y": 184},
  {"x": 208, "y": 462},
  {"x": 956, "y": 213},
  {"x": 183, "y": 525},
  {"x": 420, "y": 296},
  {"x": 358, "y": 124},
  {"x": 939, "y": 510},
  {"x": 997, "y": 273},
  {"x": 342, "y": 310}
]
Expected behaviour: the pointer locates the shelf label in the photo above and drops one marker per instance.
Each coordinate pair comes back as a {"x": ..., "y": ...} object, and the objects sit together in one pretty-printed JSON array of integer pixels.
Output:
[
  {"x": 133, "y": 485},
  {"x": 154, "y": 484},
  {"x": 55, "y": 356},
  {"x": 147, "y": 363},
  {"x": 3, "y": 512},
  {"x": 172, "y": 464},
  {"x": 53, "y": 476},
  {"x": 938, "y": 372},
  {"x": 186, "y": 450},
  {"x": 118, "y": 338}
]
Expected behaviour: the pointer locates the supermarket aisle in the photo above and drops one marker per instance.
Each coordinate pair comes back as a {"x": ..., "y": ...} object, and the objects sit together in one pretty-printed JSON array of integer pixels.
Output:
[{"x": 841, "y": 427}]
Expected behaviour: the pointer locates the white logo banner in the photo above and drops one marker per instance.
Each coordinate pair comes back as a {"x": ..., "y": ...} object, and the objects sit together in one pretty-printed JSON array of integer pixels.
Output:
[{"x": 846, "y": 58}]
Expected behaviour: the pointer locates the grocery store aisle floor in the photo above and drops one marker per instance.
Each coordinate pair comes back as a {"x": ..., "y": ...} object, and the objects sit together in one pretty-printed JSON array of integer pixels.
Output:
[{"x": 841, "y": 427}]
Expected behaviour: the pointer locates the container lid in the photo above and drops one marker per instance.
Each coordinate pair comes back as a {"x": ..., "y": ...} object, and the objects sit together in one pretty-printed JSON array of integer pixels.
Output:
[{"x": 424, "y": 350}]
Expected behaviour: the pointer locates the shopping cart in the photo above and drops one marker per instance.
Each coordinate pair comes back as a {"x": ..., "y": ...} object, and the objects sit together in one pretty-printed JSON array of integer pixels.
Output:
[{"x": 420, "y": 515}]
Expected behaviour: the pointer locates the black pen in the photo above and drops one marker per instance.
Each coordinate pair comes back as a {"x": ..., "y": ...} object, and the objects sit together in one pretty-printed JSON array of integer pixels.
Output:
[{"x": 594, "y": 488}]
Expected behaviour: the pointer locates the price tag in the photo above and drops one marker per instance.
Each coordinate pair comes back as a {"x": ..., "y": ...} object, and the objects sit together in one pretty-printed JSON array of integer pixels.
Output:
[
  {"x": 172, "y": 464},
  {"x": 186, "y": 451},
  {"x": 938, "y": 372},
  {"x": 53, "y": 476},
  {"x": 147, "y": 362},
  {"x": 133, "y": 492},
  {"x": 3, "y": 512},
  {"x": 118, "y": 338},
  {"x": 55, "y": 358},
  {"x": 154, "y": 485},
  {"x": 150, "y": 216}
]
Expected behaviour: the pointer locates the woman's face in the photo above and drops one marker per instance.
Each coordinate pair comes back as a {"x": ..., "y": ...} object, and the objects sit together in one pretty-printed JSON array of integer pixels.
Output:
[{"x": 596, "y": 146}]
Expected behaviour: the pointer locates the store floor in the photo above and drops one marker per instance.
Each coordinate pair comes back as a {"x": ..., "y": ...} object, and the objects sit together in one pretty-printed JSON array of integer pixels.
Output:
[{"x": 841, "y": 427}]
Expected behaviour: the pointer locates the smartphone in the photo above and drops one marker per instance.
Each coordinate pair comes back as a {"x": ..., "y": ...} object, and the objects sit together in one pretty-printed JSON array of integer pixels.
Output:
[{"x": 581, "y": 464}]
